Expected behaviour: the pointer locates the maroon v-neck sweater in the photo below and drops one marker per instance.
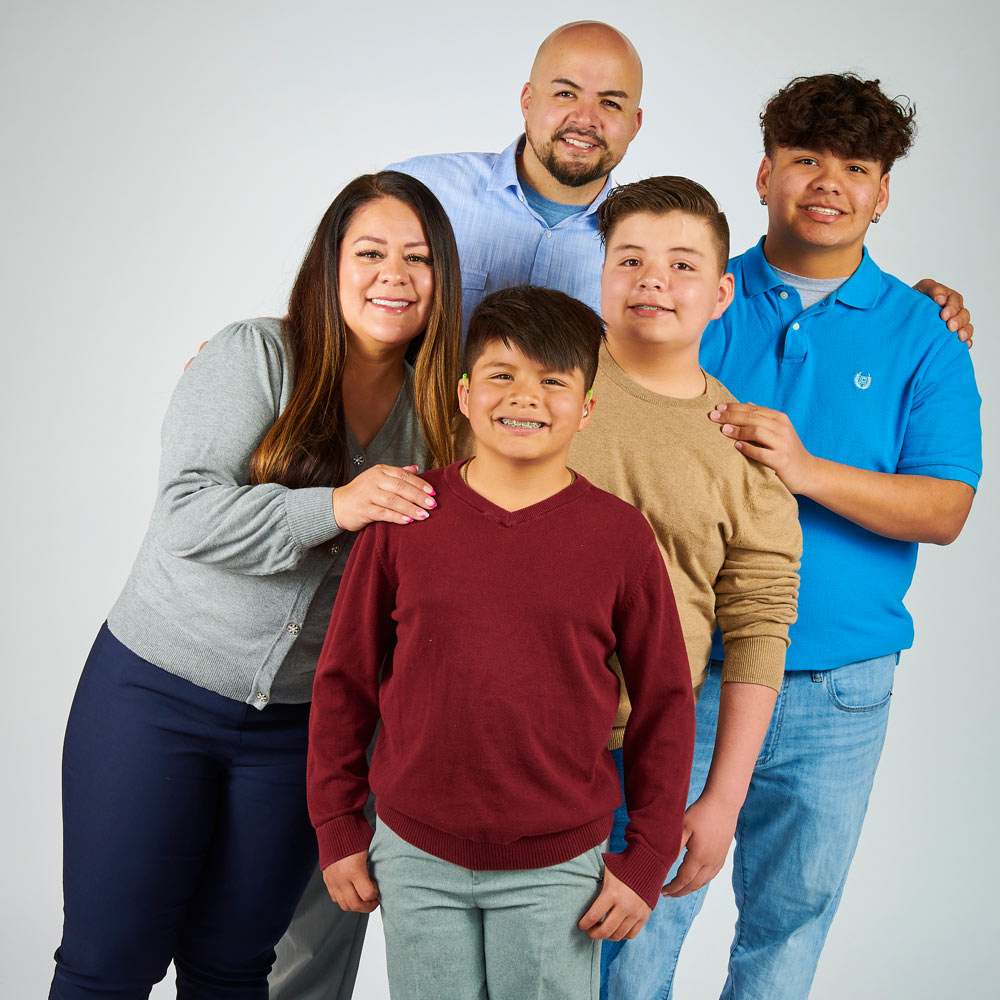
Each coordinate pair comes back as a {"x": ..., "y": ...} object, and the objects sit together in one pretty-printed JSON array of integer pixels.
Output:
[{"x": 493, "y": 631}]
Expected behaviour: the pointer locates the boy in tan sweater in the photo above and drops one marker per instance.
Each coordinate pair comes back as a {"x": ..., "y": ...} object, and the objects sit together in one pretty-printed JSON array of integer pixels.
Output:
[{"x": 728, "y": 528}]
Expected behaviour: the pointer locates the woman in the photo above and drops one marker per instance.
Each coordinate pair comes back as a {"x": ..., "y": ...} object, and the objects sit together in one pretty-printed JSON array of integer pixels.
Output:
[{"x": 186, "y": 835}]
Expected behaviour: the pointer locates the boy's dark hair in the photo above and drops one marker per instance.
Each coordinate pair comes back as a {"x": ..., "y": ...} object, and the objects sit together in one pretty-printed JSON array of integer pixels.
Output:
[
  {"x": 660, "y": 195},
  {"x": 549, "y": 327},
  {"x": 841, "y": 114}
]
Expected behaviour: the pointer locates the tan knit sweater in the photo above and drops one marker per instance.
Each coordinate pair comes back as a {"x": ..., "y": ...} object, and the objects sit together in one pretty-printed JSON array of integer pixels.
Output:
[{"x": 727, "y": 527}]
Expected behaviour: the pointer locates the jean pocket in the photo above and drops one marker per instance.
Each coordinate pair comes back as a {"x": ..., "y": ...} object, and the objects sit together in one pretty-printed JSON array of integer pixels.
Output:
[
  {"x": 865, "y": 686},
  {"x": 597, "y": 854}
]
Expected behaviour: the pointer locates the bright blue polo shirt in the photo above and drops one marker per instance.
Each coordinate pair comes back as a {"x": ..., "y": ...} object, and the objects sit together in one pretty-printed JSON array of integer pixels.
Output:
[
  {"x": 870, "y": 377},
  {"x": 502, "y": 240}
]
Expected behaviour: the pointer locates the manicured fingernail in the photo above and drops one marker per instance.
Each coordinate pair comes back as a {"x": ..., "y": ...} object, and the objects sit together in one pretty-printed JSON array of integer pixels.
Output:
[
  {"x": 423, "y": 514},
  {"x": 431, "y": 503},
  {"x": 408, "y": 520},
  {"x": 429, "y": 489},
  {"x": 728, "y": 428},
  {"x": 715, "y": 415}
]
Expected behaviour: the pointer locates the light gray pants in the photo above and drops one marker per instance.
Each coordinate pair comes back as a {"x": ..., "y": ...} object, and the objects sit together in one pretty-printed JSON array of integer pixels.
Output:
[
  {"x": 318, "y": 957},
  {"x": 456, "y": 934}
]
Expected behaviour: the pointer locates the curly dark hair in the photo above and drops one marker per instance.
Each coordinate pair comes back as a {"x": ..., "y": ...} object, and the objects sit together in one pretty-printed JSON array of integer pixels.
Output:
[
  {"x": 842, "y": 114},
  {"x": 660, "y": 196}
]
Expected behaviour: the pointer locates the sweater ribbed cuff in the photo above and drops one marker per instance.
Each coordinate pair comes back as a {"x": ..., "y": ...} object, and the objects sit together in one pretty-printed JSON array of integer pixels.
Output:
[
  {"x": 310, "y": 515},
  {"x": 755, "y": 660},
  {"x": 342, "y": 837},
  {"x": 641, "y": 870}
]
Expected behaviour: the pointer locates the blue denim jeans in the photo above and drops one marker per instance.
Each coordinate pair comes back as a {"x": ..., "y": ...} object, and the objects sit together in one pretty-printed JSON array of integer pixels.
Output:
[{"x": 795, "y": 837}]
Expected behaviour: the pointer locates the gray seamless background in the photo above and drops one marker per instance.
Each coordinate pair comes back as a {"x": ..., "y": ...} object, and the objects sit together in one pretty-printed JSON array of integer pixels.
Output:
[{"x": 165, "y": 167}]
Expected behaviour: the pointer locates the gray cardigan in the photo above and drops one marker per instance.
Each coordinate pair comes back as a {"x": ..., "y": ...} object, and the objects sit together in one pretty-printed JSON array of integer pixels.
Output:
[{"x": 233, "y": 584}]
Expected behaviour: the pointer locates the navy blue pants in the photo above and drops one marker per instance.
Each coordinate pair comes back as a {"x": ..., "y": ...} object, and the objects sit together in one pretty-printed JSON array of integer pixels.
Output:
[{"x": 186, "y": 835}]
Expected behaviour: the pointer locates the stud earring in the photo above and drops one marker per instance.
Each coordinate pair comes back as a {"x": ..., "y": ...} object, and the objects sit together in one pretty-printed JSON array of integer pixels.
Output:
[
  {"x": 877, "y": 216},
  {"x": 763, "y": 199}
]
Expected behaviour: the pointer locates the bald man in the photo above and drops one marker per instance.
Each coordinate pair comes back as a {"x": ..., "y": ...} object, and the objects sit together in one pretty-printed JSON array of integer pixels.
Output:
[{"x": 527, "y": 215}]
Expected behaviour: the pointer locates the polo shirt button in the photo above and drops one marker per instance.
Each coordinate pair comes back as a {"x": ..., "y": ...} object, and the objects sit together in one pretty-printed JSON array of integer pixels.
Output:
[
  {"x": 260, "y": 698},
  {"x": 795, "y": 326},
  {"x": 292, "y": 628},
  {"x": 548, "y": 233},
  {"x": 782, "y": 295}
]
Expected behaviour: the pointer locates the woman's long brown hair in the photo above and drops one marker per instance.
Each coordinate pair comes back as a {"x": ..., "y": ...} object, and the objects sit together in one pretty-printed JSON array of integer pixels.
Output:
[{"x": 307, "y": 445}]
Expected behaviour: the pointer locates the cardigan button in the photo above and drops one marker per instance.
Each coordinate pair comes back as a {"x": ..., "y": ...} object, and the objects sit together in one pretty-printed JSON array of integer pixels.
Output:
[
  {"x": 334, "y": 549},
  {"x": 260, "y": 698},
  {"x": 292, "y": 628}
]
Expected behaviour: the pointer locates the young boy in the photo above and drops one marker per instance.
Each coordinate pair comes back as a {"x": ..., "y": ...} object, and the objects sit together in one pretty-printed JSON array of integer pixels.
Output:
[
  {"x": 493, "y": 622},
  {"x": 727, "y": 528},
  {"x": 870, "y": 416}
]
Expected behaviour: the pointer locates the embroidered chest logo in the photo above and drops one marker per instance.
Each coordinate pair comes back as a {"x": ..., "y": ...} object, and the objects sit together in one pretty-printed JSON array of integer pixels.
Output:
[{"x": 862, "y": 380}]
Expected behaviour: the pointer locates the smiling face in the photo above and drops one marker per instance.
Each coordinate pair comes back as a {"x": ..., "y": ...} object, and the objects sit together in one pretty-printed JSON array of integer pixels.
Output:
[
  {"x": 386, "y": 277},
  {"x": 581, "y": 109},
  {"x": 819, "y": 207},
  {"x": 520, "y": 410},
  {"x": 661, "y": 283}
]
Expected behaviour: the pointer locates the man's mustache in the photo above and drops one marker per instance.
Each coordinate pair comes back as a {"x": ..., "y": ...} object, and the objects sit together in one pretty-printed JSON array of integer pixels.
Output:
[{"x": 582, "y": 133}]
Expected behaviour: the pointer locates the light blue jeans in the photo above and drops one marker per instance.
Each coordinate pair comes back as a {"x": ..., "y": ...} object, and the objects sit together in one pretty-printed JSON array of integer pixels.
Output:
[
  {"x": 795, "y": 837},
  {"x": 456, "y": 934}
]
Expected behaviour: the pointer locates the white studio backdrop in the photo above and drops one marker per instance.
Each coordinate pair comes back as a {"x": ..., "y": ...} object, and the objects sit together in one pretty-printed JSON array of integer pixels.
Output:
[{"x": 165, "y": 167}]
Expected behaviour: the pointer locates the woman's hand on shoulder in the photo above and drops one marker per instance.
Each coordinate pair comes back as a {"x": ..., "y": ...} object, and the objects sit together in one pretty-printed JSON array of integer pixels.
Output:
[{"x": 383, "y": 493}]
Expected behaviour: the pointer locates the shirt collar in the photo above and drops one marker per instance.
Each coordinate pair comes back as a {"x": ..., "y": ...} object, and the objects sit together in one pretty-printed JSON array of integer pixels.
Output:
[
  {"x": 504, "y": 175},
  {"x": 859, "y": 291}
]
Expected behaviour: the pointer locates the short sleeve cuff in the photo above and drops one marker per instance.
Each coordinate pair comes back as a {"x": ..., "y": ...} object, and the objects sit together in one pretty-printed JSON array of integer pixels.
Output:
[
  {"x": 955, "y": 472},
  {"x": 755, "y": 660},
  {"x": 342, "y": 837},
  {"x": 310, "y": 515}
]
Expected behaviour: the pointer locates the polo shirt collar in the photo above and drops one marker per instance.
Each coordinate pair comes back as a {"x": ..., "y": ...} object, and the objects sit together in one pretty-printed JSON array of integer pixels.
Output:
[
  {"x": 504, "y": 175},
  {"x": 859, "y": 291}
]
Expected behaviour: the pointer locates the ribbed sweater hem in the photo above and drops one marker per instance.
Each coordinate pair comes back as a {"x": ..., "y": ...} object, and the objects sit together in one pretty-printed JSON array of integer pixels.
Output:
[{"x": 525, "y": 852}]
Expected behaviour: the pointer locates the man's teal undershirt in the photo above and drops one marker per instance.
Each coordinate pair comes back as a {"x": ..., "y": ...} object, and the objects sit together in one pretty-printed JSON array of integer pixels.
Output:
[{"x": 553, "y": 212}]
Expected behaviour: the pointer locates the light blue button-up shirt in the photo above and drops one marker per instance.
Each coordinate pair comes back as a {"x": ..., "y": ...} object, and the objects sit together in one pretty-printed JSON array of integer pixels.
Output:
[{"x": 502, "y": 241}]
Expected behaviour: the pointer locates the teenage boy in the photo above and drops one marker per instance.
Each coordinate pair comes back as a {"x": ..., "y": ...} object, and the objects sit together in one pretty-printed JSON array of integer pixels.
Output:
[
  {"x": 867, "y": 410},
  {"x": 493, "y": 624},
  {"x": 727, "y": 528}
]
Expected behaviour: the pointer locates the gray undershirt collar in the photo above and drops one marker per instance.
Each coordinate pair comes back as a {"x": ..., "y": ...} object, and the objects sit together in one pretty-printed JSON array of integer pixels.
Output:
[{"x": 811, "y": 290}]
